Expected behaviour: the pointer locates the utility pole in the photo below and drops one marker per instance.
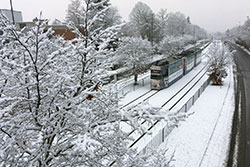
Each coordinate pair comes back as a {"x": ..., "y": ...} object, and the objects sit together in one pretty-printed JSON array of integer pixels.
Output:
[
  {"x": 152, "y": 30},
  {"x": 12, "y": 12},
  {"x": 194, "y": 34}
]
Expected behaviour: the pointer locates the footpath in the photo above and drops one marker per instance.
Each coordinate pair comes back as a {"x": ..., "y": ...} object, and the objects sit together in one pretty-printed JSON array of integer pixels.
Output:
[{"x": 203, "y": 138}]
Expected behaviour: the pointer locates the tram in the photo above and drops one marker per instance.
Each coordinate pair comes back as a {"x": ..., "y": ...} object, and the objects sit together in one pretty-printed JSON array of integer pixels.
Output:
[{"x": 167, "y": 71}]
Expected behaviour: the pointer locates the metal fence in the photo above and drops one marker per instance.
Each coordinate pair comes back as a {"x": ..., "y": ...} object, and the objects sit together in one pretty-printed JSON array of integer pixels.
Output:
[
  {"x": 129, "y": 86},
  {"x": 160, "y": 137},
  {"x": 123, "y": 87}
]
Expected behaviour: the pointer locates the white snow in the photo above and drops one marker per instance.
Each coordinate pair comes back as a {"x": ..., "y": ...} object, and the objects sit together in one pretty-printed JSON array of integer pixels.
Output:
[{"x": 203, "y": 139}]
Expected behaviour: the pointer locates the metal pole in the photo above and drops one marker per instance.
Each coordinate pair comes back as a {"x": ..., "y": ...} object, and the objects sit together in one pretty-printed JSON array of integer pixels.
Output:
[{"x": 12, "y": 12}]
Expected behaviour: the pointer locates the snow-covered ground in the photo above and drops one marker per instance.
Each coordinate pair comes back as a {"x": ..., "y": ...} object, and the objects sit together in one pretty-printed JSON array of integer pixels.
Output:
[{"x": 203, "y": 139}]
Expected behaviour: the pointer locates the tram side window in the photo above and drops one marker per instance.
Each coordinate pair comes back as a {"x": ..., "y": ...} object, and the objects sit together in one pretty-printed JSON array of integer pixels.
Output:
[
  {"x": 170, "y": 71},
  {"x": 178, "y": 66},
  {"x": 173, "y": 69},
  {"x": 165, "y": 72},
  {"x": 190, "y": 59}
]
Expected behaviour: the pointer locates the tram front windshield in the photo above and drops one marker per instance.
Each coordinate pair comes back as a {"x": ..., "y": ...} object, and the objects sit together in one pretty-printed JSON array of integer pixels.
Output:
[{"x": 157, "y": 77}]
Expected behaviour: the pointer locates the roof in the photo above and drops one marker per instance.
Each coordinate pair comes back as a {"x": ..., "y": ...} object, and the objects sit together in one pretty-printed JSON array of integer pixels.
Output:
[
  {"x": 167, "y": 60},
  {"x": 17, "y": 15}
]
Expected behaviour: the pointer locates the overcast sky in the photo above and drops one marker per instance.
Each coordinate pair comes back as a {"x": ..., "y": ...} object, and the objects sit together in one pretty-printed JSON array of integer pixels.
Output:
[{"x": 213, "y": 15}]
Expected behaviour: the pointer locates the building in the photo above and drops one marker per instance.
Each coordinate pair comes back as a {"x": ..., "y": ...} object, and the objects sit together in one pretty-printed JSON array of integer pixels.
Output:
[
  {"x": 27, "y": 24},
  {"x": 62, "y": 30},
  {"x": 18, "y": 17},
  {"x": 59, "y": 29}
]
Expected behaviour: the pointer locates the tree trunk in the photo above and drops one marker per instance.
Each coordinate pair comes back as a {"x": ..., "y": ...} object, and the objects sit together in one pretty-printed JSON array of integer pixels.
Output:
[{"x": 136, "y": 79}]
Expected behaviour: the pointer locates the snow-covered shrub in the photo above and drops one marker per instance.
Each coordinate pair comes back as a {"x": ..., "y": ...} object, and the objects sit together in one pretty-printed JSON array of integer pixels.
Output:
[
  {"x": 152, "y": 158},
  {"x": 219, "y": 58}
]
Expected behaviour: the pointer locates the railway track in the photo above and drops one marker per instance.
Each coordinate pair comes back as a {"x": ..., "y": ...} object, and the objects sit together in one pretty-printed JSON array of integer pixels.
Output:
[
  {"x": 198, "y": 76},
  {"x": 156, "y": 92},
  {"x": 156, "y": 122},
  {"x": 148, "y": 92}
]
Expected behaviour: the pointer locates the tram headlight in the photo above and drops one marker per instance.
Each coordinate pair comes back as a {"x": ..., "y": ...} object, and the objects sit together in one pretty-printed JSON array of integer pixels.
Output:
[{"x": 155, "y": 83}]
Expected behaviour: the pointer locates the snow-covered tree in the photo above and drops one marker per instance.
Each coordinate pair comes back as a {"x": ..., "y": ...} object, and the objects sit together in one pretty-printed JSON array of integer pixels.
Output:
[
  {"x": 112, "y": 17},
  {"x": 79, "y": 10},
  {"x": 96, "y": 43},
  {"x": 143, "y": 19},
  {"x": 154, "y": 27},
  {"x": 219, "y": 58},
  {"x": 75, "y": 12},
  {"x": 162, "y": 16},
  {"x": 177, "y": 24},
  {"x": 171, "y": 45},
  {"x": 134, "y": 53},
  {"x": 198, "y": 33},
  {"x": 128, "y": 30},
  {"x": 143, "y": 23},
  {"x": 152, "y": 158},
  {"x": 31, "y": 121},
  {"x": 173, "y": 24},
  {"x": 241, "y": 34},
  {"x": 53, "y": 108}
]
